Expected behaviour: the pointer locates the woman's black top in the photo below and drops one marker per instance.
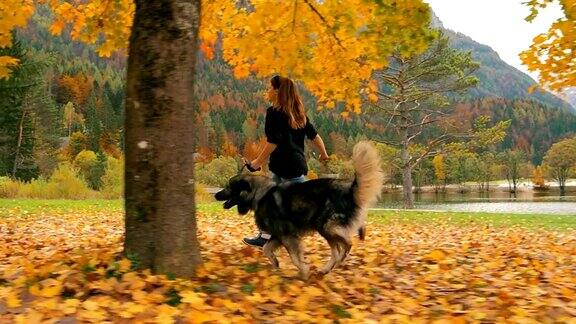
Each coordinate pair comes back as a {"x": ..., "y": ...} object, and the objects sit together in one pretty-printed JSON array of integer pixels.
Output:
[{"x": 287, "y": 160}]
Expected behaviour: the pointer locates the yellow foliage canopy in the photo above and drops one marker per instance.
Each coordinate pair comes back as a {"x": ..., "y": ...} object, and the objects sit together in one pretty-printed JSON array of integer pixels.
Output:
[
  {"x": 332, "y": 46},
  {"x": 13, "y": 13},
  {"x": 553, "y": 54}
]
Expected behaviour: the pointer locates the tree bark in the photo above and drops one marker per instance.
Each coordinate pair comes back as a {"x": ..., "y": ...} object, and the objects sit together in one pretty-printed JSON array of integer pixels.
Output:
[
  {"x": 160, "y": 212},
  {"x": 407, "y": 187},
  {"x": 562, "y": 176},
  {"x": 18, "y": 144},
  {"x": 408, "y": 196}
]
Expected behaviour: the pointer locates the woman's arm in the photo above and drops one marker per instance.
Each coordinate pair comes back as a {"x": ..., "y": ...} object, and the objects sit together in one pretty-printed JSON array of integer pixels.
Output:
[
  {"x": 319, "y": 144},
  {"x": 263, "y": 156}
]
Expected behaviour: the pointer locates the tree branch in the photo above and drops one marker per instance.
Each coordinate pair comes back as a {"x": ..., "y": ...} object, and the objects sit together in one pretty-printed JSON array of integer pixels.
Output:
[
  {"x": 391, "y": 143},
  {"x": 324, "y": 21},
  {"x": 294, "y": 15},
  {"x": 429, "y": 147}
]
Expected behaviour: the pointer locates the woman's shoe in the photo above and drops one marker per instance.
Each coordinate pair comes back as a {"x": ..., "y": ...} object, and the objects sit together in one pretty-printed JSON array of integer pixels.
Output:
[{"x": 257, "y": 241}]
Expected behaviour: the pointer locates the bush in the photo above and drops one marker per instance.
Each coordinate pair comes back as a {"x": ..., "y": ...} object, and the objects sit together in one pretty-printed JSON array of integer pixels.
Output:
[
  {"x": 202, "y": 196},
  {"x": 113, "y": 179},
  {"x": 91, "y": 167},
  {"x": 64, "y": 183},
  {"x": 344, "y": 169},
  {"x": 217, "y": 172}
]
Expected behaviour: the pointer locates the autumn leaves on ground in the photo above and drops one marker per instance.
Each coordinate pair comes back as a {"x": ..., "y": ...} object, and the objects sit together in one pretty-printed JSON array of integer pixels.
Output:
[{"x": 58, "y": 262}]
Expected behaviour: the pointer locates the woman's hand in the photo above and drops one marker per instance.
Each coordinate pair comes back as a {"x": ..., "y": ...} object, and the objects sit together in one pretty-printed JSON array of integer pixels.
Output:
[{"x": 256, "y": 164}]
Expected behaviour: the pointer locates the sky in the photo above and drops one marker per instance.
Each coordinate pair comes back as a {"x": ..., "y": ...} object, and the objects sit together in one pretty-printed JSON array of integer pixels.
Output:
[{"x": 499, "y": 24}]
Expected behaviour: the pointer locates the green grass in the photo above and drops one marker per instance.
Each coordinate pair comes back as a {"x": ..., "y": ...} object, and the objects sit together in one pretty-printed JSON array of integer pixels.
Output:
[
  {"x": 529, "y": 221},
  {"x": 38, "y": 206}
]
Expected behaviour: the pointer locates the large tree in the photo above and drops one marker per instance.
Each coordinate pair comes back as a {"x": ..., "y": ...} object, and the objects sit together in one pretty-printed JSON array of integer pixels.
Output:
[
  {"x": 160, "y": 222},
  {"x": 513, "y": 166},
  {"x": 19, "y": 107},
  {"x": 560, "y": 160},
  {"x": 412, "y": 98}
]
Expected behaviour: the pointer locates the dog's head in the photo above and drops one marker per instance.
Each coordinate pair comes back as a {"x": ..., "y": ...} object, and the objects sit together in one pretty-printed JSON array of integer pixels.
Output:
[{"x": 238, "y": 192}]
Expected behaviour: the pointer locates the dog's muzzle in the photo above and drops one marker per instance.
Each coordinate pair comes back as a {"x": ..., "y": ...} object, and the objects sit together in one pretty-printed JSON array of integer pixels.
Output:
[{"x": 224, "y": 195}]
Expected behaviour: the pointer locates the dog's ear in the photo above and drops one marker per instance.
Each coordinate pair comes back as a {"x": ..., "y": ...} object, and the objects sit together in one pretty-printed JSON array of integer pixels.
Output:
[{"x": 242, "y": 185}]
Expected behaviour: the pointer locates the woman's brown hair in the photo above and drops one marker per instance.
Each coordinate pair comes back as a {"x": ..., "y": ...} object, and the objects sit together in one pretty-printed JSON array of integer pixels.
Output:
[{"x": 289, "y": 101}]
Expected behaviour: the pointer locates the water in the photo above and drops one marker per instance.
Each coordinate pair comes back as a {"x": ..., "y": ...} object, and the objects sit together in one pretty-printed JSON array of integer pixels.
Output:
[{"x": 526, "y": 202}]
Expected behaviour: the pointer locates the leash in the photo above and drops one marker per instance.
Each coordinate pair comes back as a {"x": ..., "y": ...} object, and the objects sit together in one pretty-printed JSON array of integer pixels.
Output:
[{"x": 248, "y": 166}]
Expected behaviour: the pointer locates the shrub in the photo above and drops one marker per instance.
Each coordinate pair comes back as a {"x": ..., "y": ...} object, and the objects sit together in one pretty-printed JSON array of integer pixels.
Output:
[
  {"x": 344, "y": 169},
  {"x": 64, "y": 183},
  {"x": 91, "y": 167},
  {"x": 217, "y": 172},
  {"x": 202, "y": 196},
  {"x": 113, "y": 179}
]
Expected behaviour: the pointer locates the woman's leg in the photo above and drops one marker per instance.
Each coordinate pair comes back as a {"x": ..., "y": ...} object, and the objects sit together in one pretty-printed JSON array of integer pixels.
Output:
[{"x": 263, "y": 237}]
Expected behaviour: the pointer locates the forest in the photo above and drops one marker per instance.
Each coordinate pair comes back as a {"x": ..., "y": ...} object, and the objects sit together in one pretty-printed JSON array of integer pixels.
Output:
[{"x": 66, "y": 108}]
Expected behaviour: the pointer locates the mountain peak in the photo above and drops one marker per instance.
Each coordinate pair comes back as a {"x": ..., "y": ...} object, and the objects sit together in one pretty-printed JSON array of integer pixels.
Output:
[{"x": 498, "y": 79}]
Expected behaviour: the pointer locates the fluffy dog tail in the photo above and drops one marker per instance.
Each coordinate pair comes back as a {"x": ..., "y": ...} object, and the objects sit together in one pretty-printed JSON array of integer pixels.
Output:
[{"x": 367, "y": 185}]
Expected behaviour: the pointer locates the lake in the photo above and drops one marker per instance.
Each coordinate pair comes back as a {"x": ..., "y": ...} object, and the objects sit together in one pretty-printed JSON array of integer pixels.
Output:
[{"x": 525, "y": 202}]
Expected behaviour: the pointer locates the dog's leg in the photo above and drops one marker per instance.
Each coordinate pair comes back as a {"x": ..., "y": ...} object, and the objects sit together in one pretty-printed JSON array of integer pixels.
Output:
[
  {"x": 334, "y": 254},
  {"x": 342, "y": 238},
  {"x": 347, "y": 246},
  {"x": 269, "y": 248},
  {"x": 294, "y": 248}
]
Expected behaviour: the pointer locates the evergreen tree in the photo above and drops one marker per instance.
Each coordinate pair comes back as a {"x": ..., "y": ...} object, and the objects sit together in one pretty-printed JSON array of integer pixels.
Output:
[{"x": 17, "y": 114}]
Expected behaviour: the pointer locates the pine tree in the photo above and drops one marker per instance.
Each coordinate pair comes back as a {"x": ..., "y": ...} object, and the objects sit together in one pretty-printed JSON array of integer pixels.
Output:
[{"x": 17, "y": 114}]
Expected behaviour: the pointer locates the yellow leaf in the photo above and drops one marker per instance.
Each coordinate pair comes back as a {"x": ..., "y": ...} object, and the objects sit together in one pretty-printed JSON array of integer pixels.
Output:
[
  {"x": 195, "y": 316},
  {"x": 13, "y": 300},
  {"x": 69, "y": 306},
  {"x": 124, "y": 265},
  {"x": 192, "y": 298},
  {"x": 372, "y": 97},
  {"x": 166, "y": 314},
  {"x": 56, "y": 27},
  {"x": 435, "y": 255},
  {"x": 231, "y": 305},
  {"x": 313, "y": 291},
  {"x": 7, "y": 63}
]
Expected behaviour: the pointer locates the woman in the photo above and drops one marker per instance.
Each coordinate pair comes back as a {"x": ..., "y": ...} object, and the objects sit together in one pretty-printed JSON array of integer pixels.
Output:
[{"x": 286, "y": 127}]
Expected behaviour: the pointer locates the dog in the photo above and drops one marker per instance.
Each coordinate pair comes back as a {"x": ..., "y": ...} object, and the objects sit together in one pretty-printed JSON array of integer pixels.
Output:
[{"x": 334, "y": 208}]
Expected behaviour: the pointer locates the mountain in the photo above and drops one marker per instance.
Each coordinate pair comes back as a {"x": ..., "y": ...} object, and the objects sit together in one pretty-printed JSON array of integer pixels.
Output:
[
  {"x": 497, "y": 78},
  {"x": 570, "y": 96}
]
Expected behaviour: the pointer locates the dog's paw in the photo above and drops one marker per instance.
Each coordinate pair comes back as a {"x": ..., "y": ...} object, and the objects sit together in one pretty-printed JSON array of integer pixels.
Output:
[
  {"x": 305, "y": 275},
  {"x": 324, "y": 271}
]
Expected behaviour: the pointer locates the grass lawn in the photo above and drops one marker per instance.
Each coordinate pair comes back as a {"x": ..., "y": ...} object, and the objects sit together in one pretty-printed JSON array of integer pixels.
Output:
[
  {"x": 39, "y": 206},
  {"x": 530, "y": 221}
]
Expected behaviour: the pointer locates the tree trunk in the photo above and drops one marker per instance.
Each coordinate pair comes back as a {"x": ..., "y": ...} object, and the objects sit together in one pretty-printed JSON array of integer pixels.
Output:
[
  {"x": 407, "y": 187},
  {"x": 160, "y": 212},
  {"x": 18, "y": 144},
  {"x": 406, "y": 174},
  {"x": 563, "y": 175}
]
